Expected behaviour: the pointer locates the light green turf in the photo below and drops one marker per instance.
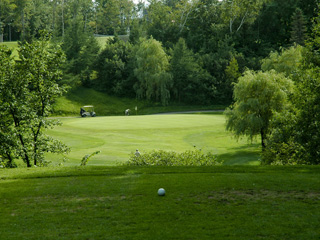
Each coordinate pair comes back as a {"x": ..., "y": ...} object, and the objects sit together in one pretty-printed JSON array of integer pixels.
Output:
[
  {"x": 102, "y": 40},
  {"x": 116, "y": 137},
  {"x": 13, "y": 46}
]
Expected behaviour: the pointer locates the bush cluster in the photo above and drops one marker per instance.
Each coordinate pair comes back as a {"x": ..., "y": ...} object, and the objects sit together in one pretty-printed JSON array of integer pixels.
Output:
[{"x": 170, "y": 158}]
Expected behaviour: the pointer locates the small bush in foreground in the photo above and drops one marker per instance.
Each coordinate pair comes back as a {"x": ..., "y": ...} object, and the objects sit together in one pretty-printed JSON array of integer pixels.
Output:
[
  {"x": 171, "y": 158},
  {"x": 86, "y": 158}
]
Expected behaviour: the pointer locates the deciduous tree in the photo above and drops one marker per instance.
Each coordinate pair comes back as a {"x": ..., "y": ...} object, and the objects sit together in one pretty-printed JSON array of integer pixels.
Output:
[
  {"x": 28, "y": 89},
  {"x": 258, "y": 96},
  {"x": 237, "y": 12}
]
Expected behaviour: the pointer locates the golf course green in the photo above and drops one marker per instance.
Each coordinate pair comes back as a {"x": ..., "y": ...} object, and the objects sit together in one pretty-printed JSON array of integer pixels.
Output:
[{"x": 118, "y": 136}]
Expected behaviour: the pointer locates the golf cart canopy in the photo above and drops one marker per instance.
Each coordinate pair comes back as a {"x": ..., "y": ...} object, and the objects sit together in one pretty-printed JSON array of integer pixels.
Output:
[{"x": 87, "y": 110}]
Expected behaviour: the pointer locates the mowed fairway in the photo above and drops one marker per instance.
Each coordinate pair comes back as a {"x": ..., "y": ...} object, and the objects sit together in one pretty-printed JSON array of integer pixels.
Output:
[{"x": 116, "y": 137}]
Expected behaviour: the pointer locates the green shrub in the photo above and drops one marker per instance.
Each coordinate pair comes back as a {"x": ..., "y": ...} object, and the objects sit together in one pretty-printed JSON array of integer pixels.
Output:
[
  {"x": 7, "y": 164},
  {"x": 171, "y": 158},
  {"x": 281, "y": 153},
  {"x": 86, "y": 158}
]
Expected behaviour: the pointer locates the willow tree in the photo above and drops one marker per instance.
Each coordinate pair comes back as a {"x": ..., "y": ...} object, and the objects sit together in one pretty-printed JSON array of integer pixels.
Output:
[
  {"x": 258, "y": 96},
  {"x": 152, "y": 65}
]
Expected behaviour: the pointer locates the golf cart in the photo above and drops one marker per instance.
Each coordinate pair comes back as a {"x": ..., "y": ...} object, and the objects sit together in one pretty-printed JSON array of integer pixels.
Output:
[{"x": 87, "y": 111}]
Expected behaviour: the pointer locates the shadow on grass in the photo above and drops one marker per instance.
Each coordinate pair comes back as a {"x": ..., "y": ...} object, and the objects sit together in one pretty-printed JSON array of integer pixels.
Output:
[{"x": 244, "y": 155}]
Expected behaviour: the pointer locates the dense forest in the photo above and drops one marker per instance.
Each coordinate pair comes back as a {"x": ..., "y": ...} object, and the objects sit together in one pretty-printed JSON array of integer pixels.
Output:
[
  {"x": 260, "y": 56},
  {"x": 196, "y": 49}
]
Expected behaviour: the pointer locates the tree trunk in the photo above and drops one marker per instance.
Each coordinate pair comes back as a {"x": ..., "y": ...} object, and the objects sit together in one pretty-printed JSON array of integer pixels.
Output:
[
  {"x": 263, "y": 138},
  {"x": 62, "y": 18},
  {"x": 23, "y": 27}
]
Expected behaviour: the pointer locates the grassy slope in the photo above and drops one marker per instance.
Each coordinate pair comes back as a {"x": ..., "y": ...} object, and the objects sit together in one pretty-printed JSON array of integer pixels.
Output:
[
  {"x": 117, "y": 136},
  {"x": 105, "y": 105},
  {"x": 122, "y": 203},
  {"x": 69, "y": 105}
]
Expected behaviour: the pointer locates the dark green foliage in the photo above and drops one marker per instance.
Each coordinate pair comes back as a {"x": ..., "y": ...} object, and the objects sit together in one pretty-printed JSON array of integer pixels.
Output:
[
  {"x": 192, "y": 84},
  {"x": 7, "y": 136},
  {"x": 81, "y": 49},
  {"x": 295, "y": 137},
  {"x": 274, "y": 23},
  {"x": 87, "y": 58},
  {"x": 161, "y": 24},
  {"x": 298, "y": 30},
  {"x": 281, "y": 147},
  {"x": 113, "y": 66},
  {"x": 217, "y": 32},
  {"x": 214, "y": 60},
  {"x": 164, "y": 158},
  {"x": 308, "y": 117},
  {"x": 307, "y": 99},
  {"x": 136, "y": 32}
]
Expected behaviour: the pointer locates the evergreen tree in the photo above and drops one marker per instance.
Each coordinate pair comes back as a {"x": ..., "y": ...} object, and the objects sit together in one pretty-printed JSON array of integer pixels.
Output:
[
  {"x": 81, "y": 49},
  {"x": 190, "y": 81},
  {"x": 112, "y": 66},
  {"x": 298, "y": 27}
]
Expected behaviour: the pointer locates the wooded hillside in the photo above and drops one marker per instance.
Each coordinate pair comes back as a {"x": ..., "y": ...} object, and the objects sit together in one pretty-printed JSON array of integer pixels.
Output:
[{"x": 208, "y": 43}]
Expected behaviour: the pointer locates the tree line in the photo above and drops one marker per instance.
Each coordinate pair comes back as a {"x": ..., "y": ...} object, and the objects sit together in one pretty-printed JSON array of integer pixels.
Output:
[{"x": 197, "y": 48}]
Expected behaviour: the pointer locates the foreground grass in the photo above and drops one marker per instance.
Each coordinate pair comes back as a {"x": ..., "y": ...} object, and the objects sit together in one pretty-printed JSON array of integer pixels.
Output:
[
  {"x": 116, "y": 137},
  {"x": 122, "y": 203}
]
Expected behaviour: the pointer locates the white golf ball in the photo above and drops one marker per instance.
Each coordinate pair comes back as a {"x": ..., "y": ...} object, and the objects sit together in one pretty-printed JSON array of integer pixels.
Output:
[{"x": 161, "y": 192}]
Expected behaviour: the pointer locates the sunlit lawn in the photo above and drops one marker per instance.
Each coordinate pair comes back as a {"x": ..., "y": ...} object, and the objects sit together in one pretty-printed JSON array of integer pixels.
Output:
[
  {"x": 116, "y": 137},
  {"x": 13, "y": 46}
]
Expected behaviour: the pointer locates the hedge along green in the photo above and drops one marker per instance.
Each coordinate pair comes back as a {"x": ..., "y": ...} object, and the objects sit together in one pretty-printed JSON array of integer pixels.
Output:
[
  {"x": 164, "y": 158},
  {"x": 117, "y": 136}
]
